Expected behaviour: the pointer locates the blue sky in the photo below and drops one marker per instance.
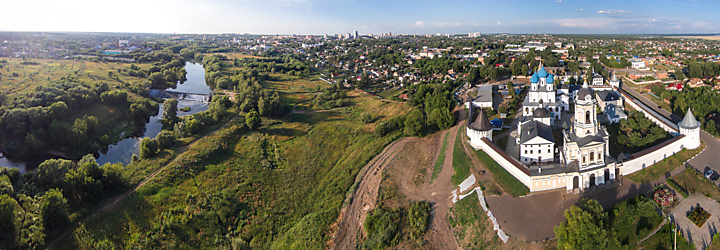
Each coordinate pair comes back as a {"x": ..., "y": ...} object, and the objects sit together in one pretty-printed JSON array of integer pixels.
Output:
[{"x": 370, "y": 16}]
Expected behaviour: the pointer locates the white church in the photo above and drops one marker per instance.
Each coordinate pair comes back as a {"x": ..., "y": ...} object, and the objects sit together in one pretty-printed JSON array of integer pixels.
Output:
[{"x": 582, "y": 160}]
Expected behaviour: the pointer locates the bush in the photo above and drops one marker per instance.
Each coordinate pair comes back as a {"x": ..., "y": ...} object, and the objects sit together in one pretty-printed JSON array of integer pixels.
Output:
[
  {"x": 391, "y": 125},
  {"x": 366, "y": 117},
  {"x": 382, "y": 228},
  {"x": 418, "y": 217}
]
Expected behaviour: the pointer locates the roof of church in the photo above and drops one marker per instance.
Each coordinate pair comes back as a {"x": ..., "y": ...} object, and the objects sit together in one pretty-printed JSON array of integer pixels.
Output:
[
  {"x": 581, "y": 142},
  {"x": 542, "y": 73},
  {"x": 533, "y": 129},
  {"x": 614, "y": 77},
  {"x": 481, "y": 123},
  {"x": 608, "y": 95},
  {"x": 550, "y": 79},
  {"x": 689, "y": 121},
  {"x": 584, "y": 91},
  {"x": 534, "y": 78},
  {"x": 541, "y": 113}
]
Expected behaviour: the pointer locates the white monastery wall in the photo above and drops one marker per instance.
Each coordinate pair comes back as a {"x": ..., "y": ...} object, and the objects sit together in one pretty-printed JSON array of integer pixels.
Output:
[{"x": 648, "y": 157}]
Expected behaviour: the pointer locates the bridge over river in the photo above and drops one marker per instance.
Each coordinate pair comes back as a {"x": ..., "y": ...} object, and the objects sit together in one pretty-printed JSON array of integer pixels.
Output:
[{"x": 161, "y": 93}]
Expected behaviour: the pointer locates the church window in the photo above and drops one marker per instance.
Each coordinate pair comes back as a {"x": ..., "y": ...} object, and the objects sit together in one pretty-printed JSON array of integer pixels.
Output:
[
  {"x": 584, "y": 161},
  {"x": 527, "y": 110},
  {"x": 592, "y": 156},
  {"x": 526, "y": 151},
  {"x": 531, "y": 151},
  {"x": 548, "y": 150},
  {"x": 587, "y": 116}
]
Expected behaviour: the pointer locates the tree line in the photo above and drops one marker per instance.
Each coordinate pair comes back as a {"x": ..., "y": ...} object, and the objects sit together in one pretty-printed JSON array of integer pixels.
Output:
[{"x": 44, "y": 120}]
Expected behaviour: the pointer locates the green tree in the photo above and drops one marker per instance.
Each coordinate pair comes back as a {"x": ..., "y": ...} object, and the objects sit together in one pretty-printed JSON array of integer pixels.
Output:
[
  {"x": 8, "y": 227},
  {"x": 366, "y": 117},
  {"x": 170, "y": 107},
  {"x": 253, "y": 120},
  {"x": 53, "y": 210},
  {"x": 510, "y": 88},
  {"x": 84, "y": 182},
  {"x": 148, "y": 147},
  {"x": 52, "y": 171},
  {"x": 584, "y": 227},
  {"x": 165, "y": 139},
  {"x": 414, "y": 123}
]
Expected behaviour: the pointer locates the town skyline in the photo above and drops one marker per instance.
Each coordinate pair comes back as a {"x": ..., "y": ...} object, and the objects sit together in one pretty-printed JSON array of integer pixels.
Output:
[{"x": 340, "y": 17}]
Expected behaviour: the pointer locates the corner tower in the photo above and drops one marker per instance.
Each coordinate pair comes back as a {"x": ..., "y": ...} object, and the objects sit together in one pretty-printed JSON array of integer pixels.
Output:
[{"x": 690, "y": 128}]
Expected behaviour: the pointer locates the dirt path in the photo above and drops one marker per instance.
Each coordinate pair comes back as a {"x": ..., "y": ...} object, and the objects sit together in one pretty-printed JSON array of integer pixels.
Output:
[
  {"x": 365, "y": 198},
  {"x": 439, "y": 235},
  {"x": 113, "y": 203}
]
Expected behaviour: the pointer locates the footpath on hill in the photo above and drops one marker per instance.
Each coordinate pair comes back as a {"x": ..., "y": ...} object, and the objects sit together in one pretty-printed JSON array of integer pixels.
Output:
[{"x": 112, "y": 203}]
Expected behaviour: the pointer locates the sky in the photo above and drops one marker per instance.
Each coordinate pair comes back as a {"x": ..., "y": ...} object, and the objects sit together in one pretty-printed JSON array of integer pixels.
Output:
[{"x": 364, "y": 16}]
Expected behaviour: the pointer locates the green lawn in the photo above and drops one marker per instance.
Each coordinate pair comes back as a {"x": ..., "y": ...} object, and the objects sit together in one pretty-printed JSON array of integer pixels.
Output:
[
  {"x": 441, "y": 158},
  {"x": 690, "y": 181},
  {"x": 471, "y": 226},
  {"x": 508, "y": 182},
  {"x": 461, "y": 162},
  {"x": 667, "y": 165},
  {"x": 389, "y": 93}
]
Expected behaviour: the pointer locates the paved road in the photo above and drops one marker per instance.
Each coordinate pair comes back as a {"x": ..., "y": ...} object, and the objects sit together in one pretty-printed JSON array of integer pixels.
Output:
[
  {"x": 652, "y": 105},
  {"x": 710, "y": 157}
]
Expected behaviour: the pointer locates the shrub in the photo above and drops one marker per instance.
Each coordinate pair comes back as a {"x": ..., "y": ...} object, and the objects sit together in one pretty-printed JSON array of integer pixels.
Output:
[
  {"x": 698, "y": 216},
  {"x": 418, "y": 218},
  {"x": 366, "y": 117}
]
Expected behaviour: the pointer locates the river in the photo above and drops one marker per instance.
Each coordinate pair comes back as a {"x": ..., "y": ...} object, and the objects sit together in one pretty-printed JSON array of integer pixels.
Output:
[{"x": 123, "y": 150}]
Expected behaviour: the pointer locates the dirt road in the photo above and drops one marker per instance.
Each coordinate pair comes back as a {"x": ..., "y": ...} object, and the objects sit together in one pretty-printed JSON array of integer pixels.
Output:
[
  {"x": 405, "y": 169},
  {"x": 365, "y": 197}
]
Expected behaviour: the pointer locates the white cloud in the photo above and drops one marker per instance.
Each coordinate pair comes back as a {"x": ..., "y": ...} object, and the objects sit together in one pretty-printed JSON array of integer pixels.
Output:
[
  {"x": 613, "y": 12},
  {"x": 498, "y": 23},
  {"x": 558, "y": 1},
  {"x": 580, "y": 9},
  {"x": 419, "y": 24}
]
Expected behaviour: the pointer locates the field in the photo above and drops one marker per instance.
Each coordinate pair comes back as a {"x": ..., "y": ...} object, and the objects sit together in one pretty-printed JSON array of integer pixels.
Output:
[
  {"x": 713, "y": 38},
  {"x": 276, "y": 188},
  {"x": 508, "y": 182},
  {"x": 461, "y": 162},
  {"x": 45, "y": 70}
]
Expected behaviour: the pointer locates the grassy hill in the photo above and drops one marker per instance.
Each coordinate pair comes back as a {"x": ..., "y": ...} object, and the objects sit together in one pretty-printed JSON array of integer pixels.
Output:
[{"x": 276, "y": 188}]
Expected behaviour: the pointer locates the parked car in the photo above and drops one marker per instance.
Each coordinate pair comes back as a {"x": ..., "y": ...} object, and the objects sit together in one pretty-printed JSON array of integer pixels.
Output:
[{"x": 711, "y": 175}]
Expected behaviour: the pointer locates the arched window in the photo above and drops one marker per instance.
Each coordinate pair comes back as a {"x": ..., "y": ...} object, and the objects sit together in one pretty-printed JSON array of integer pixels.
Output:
[
  {"x": 527, "y": 110},
  {"x": 592, "y": 156},
  {"x": 587, "y": 116},
  {"x": 584, "y": 160}
]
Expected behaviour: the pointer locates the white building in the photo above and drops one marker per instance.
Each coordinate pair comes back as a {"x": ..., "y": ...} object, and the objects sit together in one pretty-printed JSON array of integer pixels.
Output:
[
  {"x": 637, "y": 63},
  {"x": 535, "y": 138},
  {"x": 542, "y": 94},
  {"x": 598, "y": 79},
  {"x": 483, "y": 98}
]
